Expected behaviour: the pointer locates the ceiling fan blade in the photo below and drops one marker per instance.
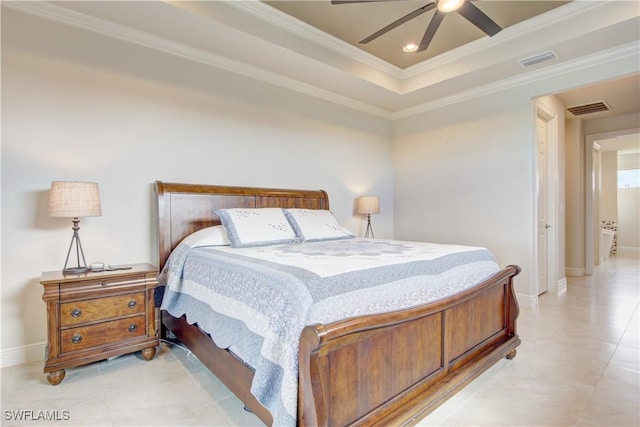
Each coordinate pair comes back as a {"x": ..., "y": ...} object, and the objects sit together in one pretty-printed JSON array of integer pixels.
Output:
[
  {"x": 479, "y": 18},
  {"x": 410, "y": 16},
  {"x": 431, "y": 31}
]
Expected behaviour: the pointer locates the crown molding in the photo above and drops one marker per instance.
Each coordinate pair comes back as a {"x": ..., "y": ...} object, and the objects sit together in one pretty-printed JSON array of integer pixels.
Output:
[
  {"x": 529, "y": 26},
  {"x": 69, "y": 17},
  {"x": 309, "y": 32},
  {"x": 302, "y": 29},
  {"x": 621, "y": 52}
]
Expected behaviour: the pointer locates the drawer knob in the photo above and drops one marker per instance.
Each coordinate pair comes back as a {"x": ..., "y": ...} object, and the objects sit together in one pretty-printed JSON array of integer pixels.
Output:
[
  {"x": 132, "y": 304},
  {"x": 76, "y": 339},
  {"x": 132, "y": 328},
  {"x": 76, "y": 312}
]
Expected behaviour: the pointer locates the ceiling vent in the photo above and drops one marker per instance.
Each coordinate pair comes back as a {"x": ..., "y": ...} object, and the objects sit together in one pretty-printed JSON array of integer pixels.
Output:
[
  {"x": 592, "y": 107},
  {"x": 536, "y": 59}
]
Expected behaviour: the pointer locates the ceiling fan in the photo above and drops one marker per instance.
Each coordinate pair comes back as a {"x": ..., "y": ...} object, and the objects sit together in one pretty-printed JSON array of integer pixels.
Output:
[{"x": 464, "y": 7}]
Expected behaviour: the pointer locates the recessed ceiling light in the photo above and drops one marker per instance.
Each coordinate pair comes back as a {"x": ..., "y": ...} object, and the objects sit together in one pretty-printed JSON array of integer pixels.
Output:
[
  {"x": 410, "y": 47},
  {"x": 449, "y": 5}
]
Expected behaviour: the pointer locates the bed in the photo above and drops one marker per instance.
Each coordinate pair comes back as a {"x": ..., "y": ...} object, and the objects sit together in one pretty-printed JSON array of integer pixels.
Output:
[{"x": 384, "y": 368}]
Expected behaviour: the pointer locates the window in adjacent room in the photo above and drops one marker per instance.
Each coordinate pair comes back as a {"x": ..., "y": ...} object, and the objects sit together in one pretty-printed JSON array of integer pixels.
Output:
[{"x": 629, "y": 178}]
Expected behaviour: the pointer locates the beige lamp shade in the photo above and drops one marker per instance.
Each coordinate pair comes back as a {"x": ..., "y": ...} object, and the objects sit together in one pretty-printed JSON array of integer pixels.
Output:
[
  {"x": 72, "y": 199},
  {"x": 368, "y": 205}
]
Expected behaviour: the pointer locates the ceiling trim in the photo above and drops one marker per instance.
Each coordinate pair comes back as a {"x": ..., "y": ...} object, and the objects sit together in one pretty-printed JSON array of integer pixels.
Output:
[
  {"x": 507, "y": 35},
  {"x": 589, "y": 61},
  {"x": 309, "y": 32},
  {"x": 300, "y": 28},
  {"x": 69, "y": 17},
  {"x": 110, "y": 29}
]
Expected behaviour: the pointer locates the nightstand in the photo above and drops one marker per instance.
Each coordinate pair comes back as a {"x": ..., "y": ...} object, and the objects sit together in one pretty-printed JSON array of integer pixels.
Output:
[{"x": 96, "y": 315}]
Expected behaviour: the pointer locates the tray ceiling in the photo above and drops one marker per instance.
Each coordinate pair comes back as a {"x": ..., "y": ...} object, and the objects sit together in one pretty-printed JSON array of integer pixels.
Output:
[
  {"x": 260, "y": 41},
  {"x": 353, "y": 22}
]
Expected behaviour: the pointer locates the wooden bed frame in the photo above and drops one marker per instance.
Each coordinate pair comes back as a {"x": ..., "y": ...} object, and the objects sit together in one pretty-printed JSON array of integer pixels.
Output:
[{"x": 384, "y": 369}]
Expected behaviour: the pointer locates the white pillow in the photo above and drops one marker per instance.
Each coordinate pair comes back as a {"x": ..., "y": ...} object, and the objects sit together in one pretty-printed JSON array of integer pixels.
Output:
[
  {"x": 316, "y": 224},
  {"x": 256, "y": 227},
  {"x": 210, "y": 236}
]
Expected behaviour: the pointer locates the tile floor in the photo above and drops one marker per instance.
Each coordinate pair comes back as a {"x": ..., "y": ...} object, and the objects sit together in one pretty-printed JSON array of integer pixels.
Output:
[{"x": 578, "y": 365}]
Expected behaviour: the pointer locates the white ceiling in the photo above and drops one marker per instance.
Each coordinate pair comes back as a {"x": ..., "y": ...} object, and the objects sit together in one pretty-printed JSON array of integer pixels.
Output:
[{"x": 256, "y": 40}]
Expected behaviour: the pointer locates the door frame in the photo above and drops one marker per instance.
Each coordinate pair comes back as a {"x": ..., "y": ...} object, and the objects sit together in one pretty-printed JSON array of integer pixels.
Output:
[
  {"x": 552, "y": 169},
  {"x": 592, "y": 217}
]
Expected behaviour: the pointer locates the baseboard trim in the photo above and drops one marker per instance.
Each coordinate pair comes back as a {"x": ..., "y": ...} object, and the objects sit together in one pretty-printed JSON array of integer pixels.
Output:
[
  {"x": 574, "y": 271},
  {"x": 530, "y": 301},
  {"x": 562, "y": 285},
  {"x": 24, "y": 354},
  {"x": 628, "y": 250}
]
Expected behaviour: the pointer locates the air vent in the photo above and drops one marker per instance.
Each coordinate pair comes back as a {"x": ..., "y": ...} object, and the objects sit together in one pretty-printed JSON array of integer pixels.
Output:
[
  {"x": 592, "y": 107},
  {"x": 536, "y": 59}
]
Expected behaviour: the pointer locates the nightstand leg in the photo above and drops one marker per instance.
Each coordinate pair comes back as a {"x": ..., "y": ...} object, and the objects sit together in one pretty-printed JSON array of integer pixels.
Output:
[
  {"x": 148, "y": 353},
  {"x": 56, "y": 377}
]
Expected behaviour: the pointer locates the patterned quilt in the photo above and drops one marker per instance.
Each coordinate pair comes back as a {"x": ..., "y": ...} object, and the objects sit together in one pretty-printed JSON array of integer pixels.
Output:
[{"x": 256, "y": 301}]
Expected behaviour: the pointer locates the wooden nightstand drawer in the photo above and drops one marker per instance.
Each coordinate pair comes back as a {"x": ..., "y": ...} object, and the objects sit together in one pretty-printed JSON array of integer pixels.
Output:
[
  {"x": 91, "y": 310},
  {"x": 83, "y": 337},
  {"x": 93, "y": 316},
  {"x": 100, "y": 287}
]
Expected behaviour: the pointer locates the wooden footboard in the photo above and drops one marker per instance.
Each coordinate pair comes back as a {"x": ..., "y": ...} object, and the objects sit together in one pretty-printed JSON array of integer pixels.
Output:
[
  {"x": 390, "y": 369},
  {"x": 386, "y": 369},
  {"x": 381, "y": 369}
]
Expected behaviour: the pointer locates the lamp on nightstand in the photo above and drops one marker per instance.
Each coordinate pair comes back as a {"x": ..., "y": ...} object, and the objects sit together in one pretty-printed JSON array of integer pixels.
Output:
[
  {"x": 368, "y": 205},
  {"x": 72, "y": 199}
]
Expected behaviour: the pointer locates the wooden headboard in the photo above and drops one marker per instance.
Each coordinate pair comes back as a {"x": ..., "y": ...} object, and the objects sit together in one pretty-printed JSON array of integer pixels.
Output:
[{"x": 185, "y": 208}]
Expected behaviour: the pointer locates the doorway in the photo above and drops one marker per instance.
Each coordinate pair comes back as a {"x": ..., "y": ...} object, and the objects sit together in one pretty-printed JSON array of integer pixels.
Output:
[
  {"x": 547, "y": 217},
  {"x": 543, "y": 224},
  {"x": 592, "y": 199}
]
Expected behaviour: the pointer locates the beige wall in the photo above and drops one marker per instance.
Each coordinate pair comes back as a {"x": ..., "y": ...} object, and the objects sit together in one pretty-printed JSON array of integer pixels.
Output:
[
  {"x": 77, "y": 106},
  {"x": 465, "y": 174},
  {"x": 575, "y": 197}
]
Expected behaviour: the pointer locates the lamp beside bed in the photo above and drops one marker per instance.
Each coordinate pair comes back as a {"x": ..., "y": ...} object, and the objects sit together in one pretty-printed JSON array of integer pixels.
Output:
[{"x": 368, "y": 205}]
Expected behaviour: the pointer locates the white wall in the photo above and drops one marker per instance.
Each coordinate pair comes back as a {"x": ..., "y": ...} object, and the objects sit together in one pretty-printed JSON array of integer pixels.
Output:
[
  {"x": 464, "y": 175},
  {"x": 77, "y": 106},
  {"x": 629, "y": 209},
  {"x": 606, "y": 128},
  {"x": 466, "y": 172},
  {"x": 609, "y": 194}
]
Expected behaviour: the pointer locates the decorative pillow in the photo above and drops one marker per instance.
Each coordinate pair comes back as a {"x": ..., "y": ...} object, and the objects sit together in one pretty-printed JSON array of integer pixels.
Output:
[
  {"x": 256, "y": 227},
  {"x": 210, "y": 236},
  {"x": 316, "y": 224}
]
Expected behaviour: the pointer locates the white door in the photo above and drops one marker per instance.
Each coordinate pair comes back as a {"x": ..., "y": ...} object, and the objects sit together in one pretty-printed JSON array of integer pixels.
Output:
[{"x": 543, "y": 224}]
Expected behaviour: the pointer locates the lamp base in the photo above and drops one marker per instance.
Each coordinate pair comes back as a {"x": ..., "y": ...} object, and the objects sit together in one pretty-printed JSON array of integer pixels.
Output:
[
  {"x": 75, "y": 270},
  {"x": 75, "y": 241},
  {"x": 369, "y": 233}
]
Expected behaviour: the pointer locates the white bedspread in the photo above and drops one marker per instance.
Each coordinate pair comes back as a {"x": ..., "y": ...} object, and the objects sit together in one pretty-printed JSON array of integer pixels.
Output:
[{"x": 257, "y": 300}]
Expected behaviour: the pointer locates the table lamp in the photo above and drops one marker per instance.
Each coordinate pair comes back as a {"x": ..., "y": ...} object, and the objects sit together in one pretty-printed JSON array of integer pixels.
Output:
[
  {"x": 72, "y": 199},
  {"x": 368, "y": 205}
]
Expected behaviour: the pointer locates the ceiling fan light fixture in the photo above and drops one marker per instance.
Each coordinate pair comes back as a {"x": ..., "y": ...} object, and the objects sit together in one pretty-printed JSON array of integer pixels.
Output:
[
  {"x": 445, "y": 6},
  {"x": 410, "y": 47}
]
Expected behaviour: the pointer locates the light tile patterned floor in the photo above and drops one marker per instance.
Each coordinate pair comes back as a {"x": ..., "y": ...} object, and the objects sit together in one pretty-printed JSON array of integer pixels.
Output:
[{"x": 578, "y": 365}]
